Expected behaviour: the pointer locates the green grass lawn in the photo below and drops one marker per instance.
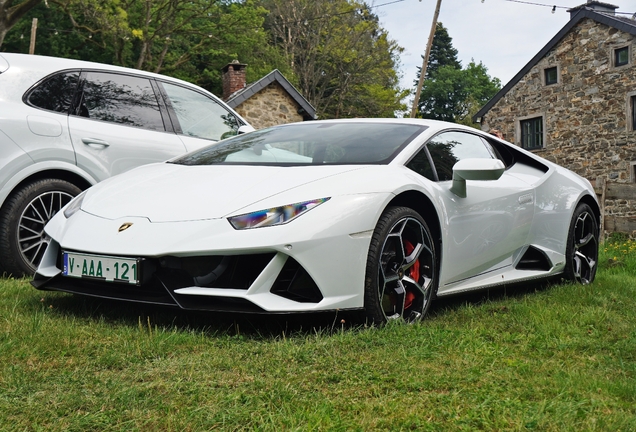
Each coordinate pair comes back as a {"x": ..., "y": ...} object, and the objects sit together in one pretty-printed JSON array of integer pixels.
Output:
[{"x": 543, "y": 357}]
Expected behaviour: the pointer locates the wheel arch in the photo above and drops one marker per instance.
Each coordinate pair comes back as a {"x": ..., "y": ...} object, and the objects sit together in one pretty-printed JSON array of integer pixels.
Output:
[
  {"x": 589, "y": 200},
  {"x": 60, "y": 174},
  {"x": 425, "y": 207}
]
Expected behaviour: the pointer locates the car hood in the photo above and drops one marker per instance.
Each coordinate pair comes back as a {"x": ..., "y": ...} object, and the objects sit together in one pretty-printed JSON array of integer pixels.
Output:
[{"x": 170, "y": 192}]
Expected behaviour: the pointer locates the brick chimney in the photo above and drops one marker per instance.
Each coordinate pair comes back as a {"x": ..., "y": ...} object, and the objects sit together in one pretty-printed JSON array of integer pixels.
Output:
[
  {"x": 594, "y": 5},
  {"x": 233, "y": 78}
]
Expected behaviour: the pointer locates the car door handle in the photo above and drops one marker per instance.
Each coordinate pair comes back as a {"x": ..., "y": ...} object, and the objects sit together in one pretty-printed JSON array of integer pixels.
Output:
[{"x": 95, "y": 142}]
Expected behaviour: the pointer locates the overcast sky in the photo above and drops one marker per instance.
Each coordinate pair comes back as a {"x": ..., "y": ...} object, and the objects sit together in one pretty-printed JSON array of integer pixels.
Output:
[{"x": 504, "y": 35}]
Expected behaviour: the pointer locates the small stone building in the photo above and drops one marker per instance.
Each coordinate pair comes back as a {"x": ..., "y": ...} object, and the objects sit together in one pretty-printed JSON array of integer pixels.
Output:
[
  {"x": 270, "y": 101},
  {"x": 574, "y": 103}
]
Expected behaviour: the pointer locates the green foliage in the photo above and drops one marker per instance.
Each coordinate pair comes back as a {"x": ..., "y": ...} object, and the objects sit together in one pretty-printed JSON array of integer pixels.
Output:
[
  {"x": 343, "y": 62},
  {"x": 618, "y": 253},
  {"x": 11, "y": 12},
  {"x": 534, "y": 357},
  {"x": 335, "y": 52},
  {"x": 452, "y": 93},
  {"x": 191, "y": 40},
  {"x": 56, "y": 36},
  {"x": 443, "y": 53}
]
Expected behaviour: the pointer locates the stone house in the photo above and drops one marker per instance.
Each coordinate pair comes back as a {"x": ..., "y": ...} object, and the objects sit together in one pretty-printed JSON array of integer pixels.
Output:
[
  {"x": 574, "y": 103},
  {"x": 270, "y": 101}
]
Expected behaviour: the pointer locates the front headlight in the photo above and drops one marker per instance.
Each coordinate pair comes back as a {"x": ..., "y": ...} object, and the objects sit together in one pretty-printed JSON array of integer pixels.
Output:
[
  {"x": 273, "y": 216},
  {"x": 74, "y": 205}
]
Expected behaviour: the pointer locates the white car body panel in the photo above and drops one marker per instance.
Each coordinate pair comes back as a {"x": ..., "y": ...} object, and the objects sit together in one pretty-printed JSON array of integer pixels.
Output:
[
  {"x": 45, "y": 143},
  {"x": 483, "y": 236},
  {"x": 24, "y": 168},
  {"x": 105, "y": 151}
]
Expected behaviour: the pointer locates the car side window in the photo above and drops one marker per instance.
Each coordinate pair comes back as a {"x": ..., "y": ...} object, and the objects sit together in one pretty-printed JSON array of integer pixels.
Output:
[
  {"x": 121, "y": 99},
  {"x": 422, "y": 165},
  {"x": 200, "y": 116},
  {"x": 55, "y": 93},
  {"x": 448, "y": 148}
]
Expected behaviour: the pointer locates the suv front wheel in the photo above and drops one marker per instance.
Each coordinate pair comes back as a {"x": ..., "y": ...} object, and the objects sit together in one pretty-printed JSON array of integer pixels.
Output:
[{"x": 22, "y": 220}]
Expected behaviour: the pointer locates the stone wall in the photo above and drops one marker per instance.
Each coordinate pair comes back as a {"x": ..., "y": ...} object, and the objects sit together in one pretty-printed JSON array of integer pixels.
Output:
[
  {"x": 269, "y": 107},
  {"x": 586, "y": 114},
  {"x": 587, "y": 118}
]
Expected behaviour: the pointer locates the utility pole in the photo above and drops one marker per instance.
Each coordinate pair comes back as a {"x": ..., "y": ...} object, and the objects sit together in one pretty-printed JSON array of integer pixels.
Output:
[
  {"x": 34, "y": 30},
  {"x": 425, "y": 59}
]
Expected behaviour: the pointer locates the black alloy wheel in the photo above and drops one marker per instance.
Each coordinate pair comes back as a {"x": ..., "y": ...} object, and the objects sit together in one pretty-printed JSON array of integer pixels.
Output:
[
  {"x": 401, "y": 273},
  {"x": 582, "y": 246},
  {"x": 22, "y": 220}
]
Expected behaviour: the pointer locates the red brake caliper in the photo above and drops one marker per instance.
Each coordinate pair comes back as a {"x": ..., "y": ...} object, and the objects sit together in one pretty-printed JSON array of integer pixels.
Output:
[{"x": 414, "y": 273}]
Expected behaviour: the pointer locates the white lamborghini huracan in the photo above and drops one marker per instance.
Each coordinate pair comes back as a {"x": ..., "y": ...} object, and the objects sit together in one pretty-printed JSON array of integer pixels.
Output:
[{"x": 374, "y": 214}]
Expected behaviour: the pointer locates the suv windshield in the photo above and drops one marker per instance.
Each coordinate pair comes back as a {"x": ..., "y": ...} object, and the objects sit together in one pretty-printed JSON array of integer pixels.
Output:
[{"x": 310, "y": 143}]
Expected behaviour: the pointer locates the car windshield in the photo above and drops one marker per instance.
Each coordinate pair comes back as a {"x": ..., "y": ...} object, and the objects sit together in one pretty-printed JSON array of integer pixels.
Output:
[{"x": 310, "y": 144}]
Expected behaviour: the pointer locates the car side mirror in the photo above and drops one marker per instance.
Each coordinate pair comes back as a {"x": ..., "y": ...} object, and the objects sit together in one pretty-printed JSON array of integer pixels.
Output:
[
  {"x": 245, "y": 129},
  {"x": 474, "y": 169}
]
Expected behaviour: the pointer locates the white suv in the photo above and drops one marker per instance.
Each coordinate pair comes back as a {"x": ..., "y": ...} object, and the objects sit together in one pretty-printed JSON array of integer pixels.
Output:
[{"x": 67, "y": 124}]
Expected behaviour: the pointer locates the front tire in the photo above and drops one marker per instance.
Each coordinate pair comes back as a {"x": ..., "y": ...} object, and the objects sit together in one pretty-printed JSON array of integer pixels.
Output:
[
  {"x": 582, "y": 247},
  {"x": 401, "y": 272},
  {"x": 22, "y": 221}
]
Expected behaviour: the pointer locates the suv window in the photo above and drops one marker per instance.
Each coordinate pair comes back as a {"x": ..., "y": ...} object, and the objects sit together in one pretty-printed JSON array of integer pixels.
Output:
[
  {"x": 55, "y": 93},
  {"x": 448, "y": 148},
  {"x": 200, "y": 116},
  {"x": 122, "y": 99}
]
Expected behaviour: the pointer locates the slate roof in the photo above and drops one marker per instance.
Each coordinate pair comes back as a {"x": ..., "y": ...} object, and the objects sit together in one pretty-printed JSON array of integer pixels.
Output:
[
  {"x": 625, "y": 24},
  {"x": 307, "y": 110}
]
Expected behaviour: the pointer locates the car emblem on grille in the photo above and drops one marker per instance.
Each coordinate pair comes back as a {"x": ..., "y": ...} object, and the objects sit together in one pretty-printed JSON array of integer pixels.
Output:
[{"x": 125, "y": 226}]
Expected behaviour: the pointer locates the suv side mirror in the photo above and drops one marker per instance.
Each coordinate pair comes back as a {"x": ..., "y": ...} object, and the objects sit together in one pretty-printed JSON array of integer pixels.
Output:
[{"x": 474, "y": 169}]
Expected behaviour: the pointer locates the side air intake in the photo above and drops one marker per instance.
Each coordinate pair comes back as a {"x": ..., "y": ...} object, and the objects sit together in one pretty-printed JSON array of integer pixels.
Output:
[{"x": 534, "y": 259}]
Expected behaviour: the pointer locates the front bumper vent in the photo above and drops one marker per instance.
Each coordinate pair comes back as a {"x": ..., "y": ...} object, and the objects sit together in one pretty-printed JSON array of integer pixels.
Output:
[
  {"x": 294, "y": 283},
  {"x": 216, "y": 271}
]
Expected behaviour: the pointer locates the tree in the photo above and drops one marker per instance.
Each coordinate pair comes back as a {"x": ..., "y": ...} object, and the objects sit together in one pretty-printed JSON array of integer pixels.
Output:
[
  {"x": 335, "y": 51},
  {"x": 442, "y": 52},
  {"x": 449, "y": 92},
  {"x": 11, "y": 12},
  {"x": 480, "y": 89},
  {"x": 188, "y": 39},
  {"x": 452, "y": 94},
  {"x": 343, "y": 62}
]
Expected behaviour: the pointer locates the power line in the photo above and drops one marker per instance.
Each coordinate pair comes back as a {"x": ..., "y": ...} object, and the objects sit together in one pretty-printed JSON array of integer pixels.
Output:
[{"x": 555, "y": 7}]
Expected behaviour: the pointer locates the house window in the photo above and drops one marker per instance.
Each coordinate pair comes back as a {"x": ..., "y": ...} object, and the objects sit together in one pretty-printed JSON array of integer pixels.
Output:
[
  {"x": 621, "y": 56},
  {"x": 551, "y": 75},
  {"x": 632, "y": 110},
  {"x": 532, "y": 133}
]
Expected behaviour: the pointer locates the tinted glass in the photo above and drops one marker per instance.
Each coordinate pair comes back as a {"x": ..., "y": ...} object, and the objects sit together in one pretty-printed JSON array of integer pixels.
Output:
[
  {"x": 120, "y": 99},
  {"x": 311, "y": 144},
  {"x": 622, "y": 56},
  {"x": 532, "y": 133},
  {"x": 633, "y": 100},
  {"x": 448, "y": 148},
  {"x": 421, "y": 165},
  {"x": 56, "y": 92},
  {"x": 551, "y": 76},
  {"x": 200, "y": 116}
]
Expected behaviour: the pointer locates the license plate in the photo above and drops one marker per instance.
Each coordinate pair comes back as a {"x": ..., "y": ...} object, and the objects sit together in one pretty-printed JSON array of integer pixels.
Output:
[{"x": 105, "y": 268}]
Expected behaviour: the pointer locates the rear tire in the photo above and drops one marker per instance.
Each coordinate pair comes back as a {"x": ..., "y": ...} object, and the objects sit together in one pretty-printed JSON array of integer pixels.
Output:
[
  {"x": 401, "y": 274},
  {"x": 22, "y": 221},
  {"x": 581, "y": 253}
]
